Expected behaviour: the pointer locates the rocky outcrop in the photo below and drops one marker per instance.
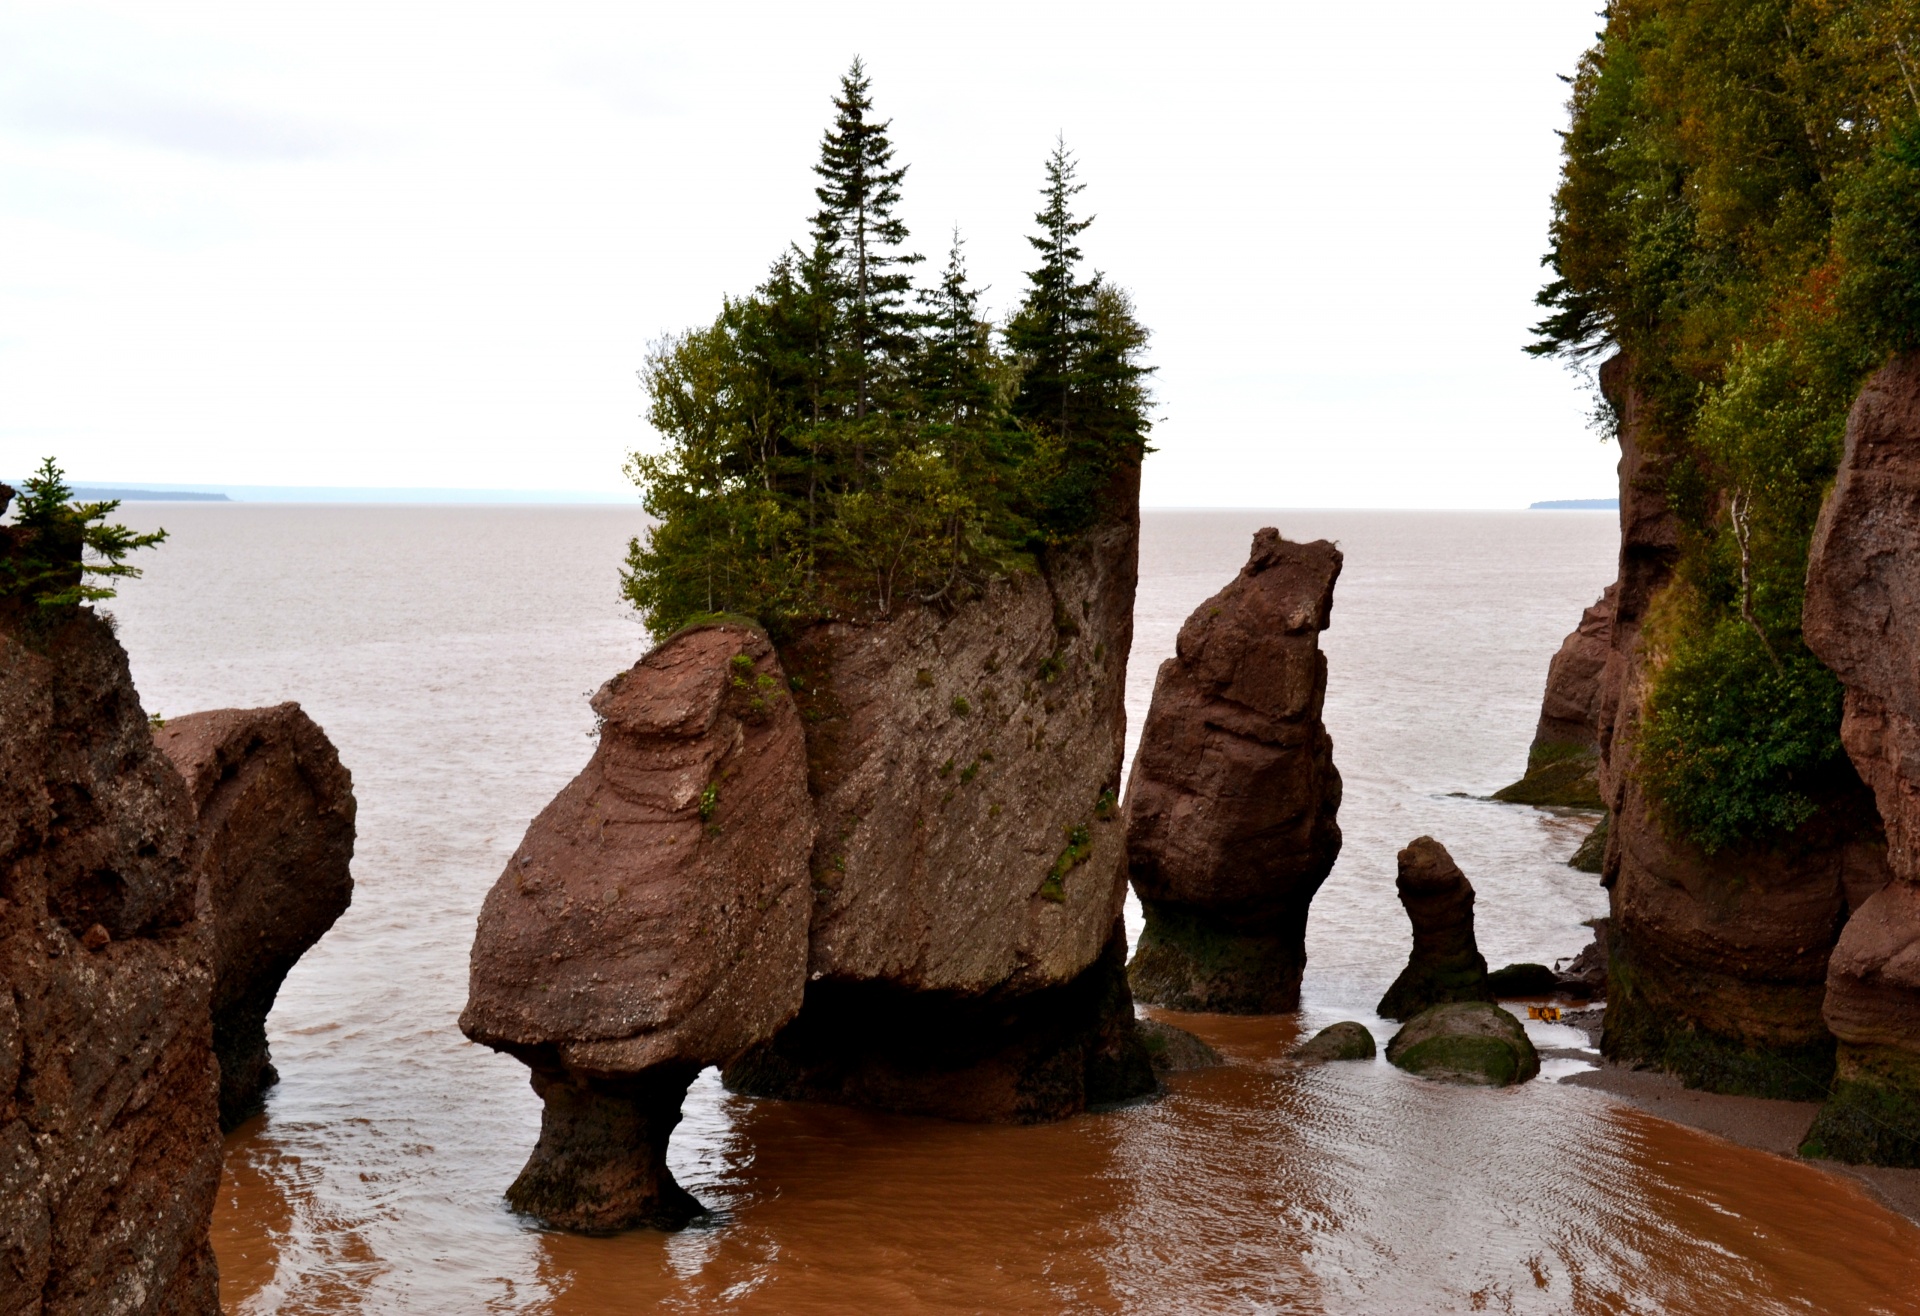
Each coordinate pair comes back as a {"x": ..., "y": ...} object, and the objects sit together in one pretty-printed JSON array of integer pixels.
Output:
[
  {"x": 1717, "y": 962},
  {"x": 966, "y": 952},
  {"x": 1563, "y": 761},
  {"x": 274, "y": 814},
  {"x": 1446, "y": 964},
  {"x": 1175, "y": 1050},
  {"x": 652, "y": 922},
  {"x": 1468, "y": 1042},
  {"x": 109, "y": 1145},
  {"x": 1345, "y": 1040},
  {"x": 1863, "y": 620},
  {"x": 1231, "y": 806}
]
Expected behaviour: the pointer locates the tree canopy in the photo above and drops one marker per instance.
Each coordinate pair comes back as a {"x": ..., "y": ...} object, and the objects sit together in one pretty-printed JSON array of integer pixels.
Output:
[
  {"x": 1739, "y": 213},
  {"x": 57, "y": 544},
  {"x": 840, "y": 443}
]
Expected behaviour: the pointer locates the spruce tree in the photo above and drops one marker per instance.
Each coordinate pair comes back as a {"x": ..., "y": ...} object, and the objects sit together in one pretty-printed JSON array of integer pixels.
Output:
[
  {"x": 856, "y": 223},
  {"x": 1051, "y": 327}
]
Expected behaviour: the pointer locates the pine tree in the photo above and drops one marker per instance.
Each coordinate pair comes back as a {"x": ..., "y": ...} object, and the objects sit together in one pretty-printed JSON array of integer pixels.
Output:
[
  {"x": 856, "y": 223},
  {"x": 1050, "y": 329},
  {"x": 957, "y": 384}
]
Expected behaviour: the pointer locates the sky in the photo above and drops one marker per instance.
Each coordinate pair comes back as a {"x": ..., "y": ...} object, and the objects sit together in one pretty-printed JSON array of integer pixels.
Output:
[{"x": 408, "y": 244}]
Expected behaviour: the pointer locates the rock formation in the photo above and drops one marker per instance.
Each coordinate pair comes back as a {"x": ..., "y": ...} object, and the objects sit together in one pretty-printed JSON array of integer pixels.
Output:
[
  {"x": 1445, "y": 965},
  {"x": 109, "y": 1145},
  {"x": 966, "y": 950},
  {"x": 1863, "y": 620},
  {"x": 1469, "y": 1042},
  {"x": 652, "y": 922},
  {"x": 1345, "y": 1040},
  {"x": 1563, "y": 762},
  {"x": 1232, "y": 800},
  {"x": 274, "y": 814},
  {"x": 1175, "y": 1050}
]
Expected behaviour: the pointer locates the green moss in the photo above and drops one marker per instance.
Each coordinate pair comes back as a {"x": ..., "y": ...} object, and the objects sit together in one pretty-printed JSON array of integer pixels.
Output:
[
  {"x": 709, "y": 801},
  {"x": 1872, "y": 1116},
  {"x": 1641, "y": 1032},
  {"x": 1471, "y": 1042},
  {"x": 1484, "y": 1058},
  {"x": 1591, "y": 855},
  {"x": 1186, "y": 960},
  {"x": 1558, "y": 775},
  {"x": 960, "y": 706}
]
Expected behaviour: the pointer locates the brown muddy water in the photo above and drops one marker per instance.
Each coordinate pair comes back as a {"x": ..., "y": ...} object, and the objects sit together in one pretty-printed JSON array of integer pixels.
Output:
[{"x": 448, "y": 652}]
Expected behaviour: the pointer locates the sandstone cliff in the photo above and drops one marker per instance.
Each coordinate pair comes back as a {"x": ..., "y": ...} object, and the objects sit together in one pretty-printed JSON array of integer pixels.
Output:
[
  {"x": 109, "y": 1145},
  {"x": 1863, "y": 620},
  {"x": 652, "y": 922},
  {"x": 1232, "y": 803},
  {"x": 1563, "y": 761},
  {"x": 274, "y": 815}
]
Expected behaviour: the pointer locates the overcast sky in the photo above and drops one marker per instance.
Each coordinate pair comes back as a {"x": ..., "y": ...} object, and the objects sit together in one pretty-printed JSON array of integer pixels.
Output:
[{"x": 427, "y": 244}]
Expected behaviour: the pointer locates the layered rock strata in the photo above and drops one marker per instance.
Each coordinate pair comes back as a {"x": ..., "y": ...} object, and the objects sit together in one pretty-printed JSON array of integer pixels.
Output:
[
  {"x": 1446, "y": 964},
  {"x": 966, "y": 952},
  {"x": 1231, "y": 806},
  {"x": 1863, "y": 620},
  {"x": 274, "y": 814},
  {"x": 109, "y": 1143},
  {"x": 1717, "y": 962},
  {"x": 652, "y": 922},
  {"x": 1563, "y": 761}
]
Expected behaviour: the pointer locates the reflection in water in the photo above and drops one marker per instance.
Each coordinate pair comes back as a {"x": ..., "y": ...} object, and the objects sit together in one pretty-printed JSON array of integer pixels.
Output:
[{"x": 373, "y": 1182}]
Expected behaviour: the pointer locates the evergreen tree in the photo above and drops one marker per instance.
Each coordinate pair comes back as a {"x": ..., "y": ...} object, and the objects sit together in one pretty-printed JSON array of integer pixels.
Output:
[
  {"x": 1050, "y": 329},
  {"x": 856, "y": 223},
  {"x": 958, "y": 384}
]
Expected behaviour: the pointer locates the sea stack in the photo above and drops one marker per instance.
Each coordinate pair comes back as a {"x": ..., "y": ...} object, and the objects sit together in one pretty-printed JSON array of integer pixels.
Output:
[
  {"x": 274, "y": 817},
  {"x": 1446, "y": 964},
  {"x": 652, "y": 922},
  {"x": 1863, "y": 621},
  {"x": 1232, "y": 803},
  {"x": 109, "y": 1141},
  {"x": 966, "y": 952},
  {"x": 1563, "y": 761}
]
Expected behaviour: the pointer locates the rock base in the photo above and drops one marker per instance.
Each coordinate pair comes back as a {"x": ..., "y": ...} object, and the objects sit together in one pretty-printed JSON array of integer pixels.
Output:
[
  {"x": 1563, "y": 776},
  {"x": 1644, "y": 1031},
  {"x": 1591, "y": 857},
  {"x": 1190, "y": 960},
  {"x": 1873, "y": 1114},
  {"x": 1028, "y": 1059},
  {"x": 601, "y": 1163}
]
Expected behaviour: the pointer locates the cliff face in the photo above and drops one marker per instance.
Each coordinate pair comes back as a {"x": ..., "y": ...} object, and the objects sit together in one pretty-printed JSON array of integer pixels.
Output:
[
  {"x": 109, "y": 1144},
  {"x": 967, "y": 878},
  {"x": 1231, "y": 807},
  {"x": 1563, "y": 761},
  {"x": 274, "y": 816},
  {"x": 1863, "y": 620},
  {"x": 652, "y": 922}
]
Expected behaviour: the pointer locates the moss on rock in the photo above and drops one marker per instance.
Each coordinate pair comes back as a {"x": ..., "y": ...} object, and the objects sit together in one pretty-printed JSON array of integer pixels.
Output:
[
  {"x": 1593, "y": 851},
  {"x": 1187, "y": 961},
  {"x": 1467, "y": 1042},
  {"x": 1638, "y": 1031},
  {"x": 1345, "y": 1040},
  {"x": 1873, "y": 1114},
  {"x": 1559, "y": 775}
]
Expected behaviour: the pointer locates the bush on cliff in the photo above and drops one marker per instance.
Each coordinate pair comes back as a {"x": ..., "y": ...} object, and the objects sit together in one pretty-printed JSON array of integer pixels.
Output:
[
  {"x": 837, "y": 443},
  {"x": 1739, "y": 212},
  {"x": 56, "y": 544}
]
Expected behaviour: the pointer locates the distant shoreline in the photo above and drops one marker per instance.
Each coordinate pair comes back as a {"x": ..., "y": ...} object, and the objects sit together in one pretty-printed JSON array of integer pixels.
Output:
[{"x": 1576, "y": 505}]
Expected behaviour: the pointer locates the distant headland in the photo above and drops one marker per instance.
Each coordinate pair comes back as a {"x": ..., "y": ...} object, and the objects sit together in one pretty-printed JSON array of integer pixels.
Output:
[{"x": 1576, "y": 505}]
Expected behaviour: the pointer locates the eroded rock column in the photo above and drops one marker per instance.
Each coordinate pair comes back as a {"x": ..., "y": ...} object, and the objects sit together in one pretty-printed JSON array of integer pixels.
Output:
[
  {"x": 652, "y": 922},
  {"x": 1231, "y": 807},
  {"x": 1446, "y": 965},
  {"x": 275, "y": 820}
]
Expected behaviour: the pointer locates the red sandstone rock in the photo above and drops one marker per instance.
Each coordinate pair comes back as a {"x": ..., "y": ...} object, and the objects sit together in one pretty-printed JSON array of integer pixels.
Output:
[
  {"x": 1446, "y": 964},
  {"x": 109, "y": 1145},
  {"x": 1873, "y": 979},
  {"x": 652, "y": 922},
  {"x": 275, "y": 813},
  {"x": 1563, "y": 761},
  {"x": 1231, "y": 807}
]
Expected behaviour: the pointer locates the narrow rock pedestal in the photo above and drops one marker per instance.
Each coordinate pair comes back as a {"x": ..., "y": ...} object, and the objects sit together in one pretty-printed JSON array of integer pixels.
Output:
[
  {"x": 1231, "y": 807},
  {"x": 1446, "y": 964}
]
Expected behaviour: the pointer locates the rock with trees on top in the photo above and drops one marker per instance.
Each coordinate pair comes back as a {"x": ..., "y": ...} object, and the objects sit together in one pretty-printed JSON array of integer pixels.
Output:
[{"x": 1233, "y": 800}]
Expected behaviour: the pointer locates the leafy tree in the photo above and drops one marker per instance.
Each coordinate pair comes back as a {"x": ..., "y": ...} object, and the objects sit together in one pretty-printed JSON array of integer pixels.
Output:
[{"x": 58, "y": 543}]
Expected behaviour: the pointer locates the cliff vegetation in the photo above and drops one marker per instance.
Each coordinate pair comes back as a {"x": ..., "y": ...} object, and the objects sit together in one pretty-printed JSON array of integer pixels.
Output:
[
  {"x": 1739, "y": 213},
  {"x": 840, "y": 442}
]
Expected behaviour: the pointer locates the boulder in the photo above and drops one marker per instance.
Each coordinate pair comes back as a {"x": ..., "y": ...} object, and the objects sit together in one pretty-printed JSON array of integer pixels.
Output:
[
  {"x": 1446, "y": 964},
  {"x": 966, "y": 957},
  {"x": 1591, "y": 855},
  {"x": 1862, "y": 619},
  {"x": 109, "y": 1141},
  {"x": 1231, "y": 807},
  {"x": 652, "y": 922},
  {"x": 1563, "y": 762},
  {"x": 1346, "y": 1040},
  {"x": 1585, "y": 975},
  {"x": 1468, "y": 1042},
  {"x": 1522, "y": 980},
  {"x": 1174, "y": 1050},
  {"x": 275, "y": 813}
]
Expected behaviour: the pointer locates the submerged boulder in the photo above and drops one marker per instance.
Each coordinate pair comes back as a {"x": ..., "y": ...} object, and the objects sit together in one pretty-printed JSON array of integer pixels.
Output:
[
  {"x": 1345, "y": 1040},
  {"x": 1863, "y": 620},
  {"x": 1175, "y": 1050},
  {"x": 1468, "y": 1042},
  {"x": 966, "y": 953},
  {"x": 109, "y": 1142},
  {"x": 652, "y": 922},
  {"x": 1563, "y": 761},
  {"x": 1231, "y": 807},
  {"x": 1522, "y": 980},
  {"x": 274, "y": 814},
  {"x": 1446, "y": 964}
]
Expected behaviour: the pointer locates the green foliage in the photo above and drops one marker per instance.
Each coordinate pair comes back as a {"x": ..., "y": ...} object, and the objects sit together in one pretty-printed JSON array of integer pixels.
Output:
[
  {"x": 58, "y": 544},
  {"x": 709, "y": 801},
  {"x": 1739, "y": 213},
  {"x": 831, "y": 451}
]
